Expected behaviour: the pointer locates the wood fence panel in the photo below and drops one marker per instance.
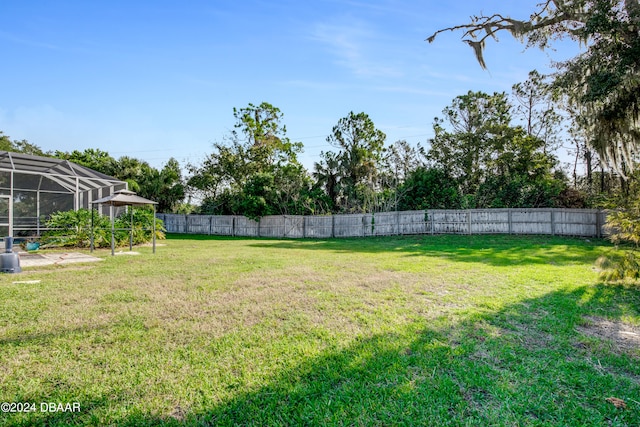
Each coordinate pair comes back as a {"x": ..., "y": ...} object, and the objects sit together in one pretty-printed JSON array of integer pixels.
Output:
[
  {"x": 575, "y": 222},
  {"x": 294, "y": 226},
  {"x": 198, "y": 224},
  {"x": 272, "y": 226},
  {"x": 350, "y": 225},
  {"x": 489, "y": 221},
  {"x": 449, "y": 221},
  {"x": 175, "y": 223},
  {"x": 222, "y": 225},
  {"x": 319, "y": 226},
  {"x": 601, "y": 221},
  {"x": 531, "y": 221},
  {"x": 368, "y": 226},
  {"x": 385, "y": 223},
  {"x": 412, "y": 222},
  {"x": 246, "y": 227}
]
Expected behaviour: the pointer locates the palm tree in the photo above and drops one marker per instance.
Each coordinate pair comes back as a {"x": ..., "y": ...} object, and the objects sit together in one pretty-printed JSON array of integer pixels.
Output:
[{"x": 327, "y": 175}]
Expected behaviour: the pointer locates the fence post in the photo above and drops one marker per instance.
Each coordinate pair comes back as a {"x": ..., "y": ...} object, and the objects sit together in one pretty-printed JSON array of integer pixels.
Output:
[
  {"x": 553, "y": 225},
  {"x": 364, "y": 224},
  {"x": 304, "y": 227},
  {"x": 598, "y": 225},
  {"x": 210, "y": 224},
  {"x": 284, "y": 225},
  {"x": 186, "y": 225},
  {"x": 469, "y": 221},
  {"x": 333, "y": 226},
  {"x": 432, "y": 223},
  {"x": 233, "y": 226}
]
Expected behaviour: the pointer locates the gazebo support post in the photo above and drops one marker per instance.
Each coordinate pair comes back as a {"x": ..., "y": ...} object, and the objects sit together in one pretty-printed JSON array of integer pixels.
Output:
[
  {"x": 153, "y": 236},
  {"x": 91, "y": 240},
  {"x": 131, "y": 231},
  {"x": 113, "y": 231}
]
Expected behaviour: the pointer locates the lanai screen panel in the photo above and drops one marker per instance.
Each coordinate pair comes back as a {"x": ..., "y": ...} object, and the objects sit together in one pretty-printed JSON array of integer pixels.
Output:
[{"x": 34, "y": 187}]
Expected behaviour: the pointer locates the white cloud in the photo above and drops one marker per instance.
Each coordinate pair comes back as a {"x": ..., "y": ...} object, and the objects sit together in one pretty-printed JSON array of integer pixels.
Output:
[{"x": 351, "y": 44}]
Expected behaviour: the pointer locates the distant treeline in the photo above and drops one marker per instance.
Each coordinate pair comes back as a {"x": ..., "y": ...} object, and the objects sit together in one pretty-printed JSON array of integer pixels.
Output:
[{"x": 488, "y": 151}]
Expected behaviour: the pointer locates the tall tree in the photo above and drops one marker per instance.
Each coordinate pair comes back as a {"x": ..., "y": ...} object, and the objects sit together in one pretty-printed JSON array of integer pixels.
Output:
[
  {"x": 494, "y": 163},
  {"x": 361, "y": 147},
  {"x": 428, "y": 188},
  {"x": 327, "y": 174},
  {"x": 603, "y": 82},
  {"x": 164, "y": 186},
  {"x": 132, "y": 171},
  {"x": 464, "y": 147},
  {"x": 263, "y": 134},
  {"x": 537, "y": 109},
  {"x": 255, "y": 170},
  {"x": 401, "y": 158}
]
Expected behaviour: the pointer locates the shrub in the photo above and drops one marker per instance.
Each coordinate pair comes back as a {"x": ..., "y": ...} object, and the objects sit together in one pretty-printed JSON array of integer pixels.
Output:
[
  {"x": 615, "y": 269},
  {"x": 142, "y": 226},
  {"x": 73, "y": 229},
  {"x": 624, "y": 228},
  {"x": 429, "y": 188}
]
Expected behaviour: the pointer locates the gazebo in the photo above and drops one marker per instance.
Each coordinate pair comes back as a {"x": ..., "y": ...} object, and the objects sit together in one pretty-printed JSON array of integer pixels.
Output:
[{"x": 125, "y": 198}]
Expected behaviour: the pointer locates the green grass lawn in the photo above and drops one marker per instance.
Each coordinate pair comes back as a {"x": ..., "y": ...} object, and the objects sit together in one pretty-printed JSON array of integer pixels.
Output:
[{"x": 425, "y": 330}]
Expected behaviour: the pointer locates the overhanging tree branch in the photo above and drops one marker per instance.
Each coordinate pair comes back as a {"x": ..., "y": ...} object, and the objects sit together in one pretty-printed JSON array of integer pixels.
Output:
[{"x": 603, "y": 83}]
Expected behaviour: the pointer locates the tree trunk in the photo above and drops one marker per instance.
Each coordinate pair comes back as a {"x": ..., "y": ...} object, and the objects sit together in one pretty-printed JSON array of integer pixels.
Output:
[{"x": 587, "y": 158}]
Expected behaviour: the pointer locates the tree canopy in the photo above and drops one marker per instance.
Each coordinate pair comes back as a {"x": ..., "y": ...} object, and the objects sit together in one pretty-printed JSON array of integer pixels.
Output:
[
  {"x": 255, "y": 170},
  {"x": 603, "y": 83},
  {"x": 164, "y": 186},
  {"x": 494, "y": 163},
  {"x": 22, "y": 146},
  {"x": 360, "y": 146}
]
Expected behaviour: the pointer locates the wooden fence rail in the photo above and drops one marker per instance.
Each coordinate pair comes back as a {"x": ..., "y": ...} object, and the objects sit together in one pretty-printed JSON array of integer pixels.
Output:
[{"x": 562, "y": 222}]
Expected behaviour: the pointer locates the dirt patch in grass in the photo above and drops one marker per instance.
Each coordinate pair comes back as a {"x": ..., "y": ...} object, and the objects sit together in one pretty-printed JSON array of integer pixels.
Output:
[{"x": 626, "y": 337}]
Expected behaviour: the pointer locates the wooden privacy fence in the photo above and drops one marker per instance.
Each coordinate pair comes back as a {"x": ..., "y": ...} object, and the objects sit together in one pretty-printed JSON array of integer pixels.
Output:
[{"x": 561, "y": 222}]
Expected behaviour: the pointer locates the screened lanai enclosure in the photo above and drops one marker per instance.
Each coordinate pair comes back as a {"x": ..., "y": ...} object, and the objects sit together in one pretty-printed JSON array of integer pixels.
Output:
[{"x": 34, "y": 187}]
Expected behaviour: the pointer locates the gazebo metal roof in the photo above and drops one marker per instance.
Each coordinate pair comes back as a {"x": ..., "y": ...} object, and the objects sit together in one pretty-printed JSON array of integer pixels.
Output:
[
  {"x": 124, "y": 198},
  {"x": 69, "y": 175}
]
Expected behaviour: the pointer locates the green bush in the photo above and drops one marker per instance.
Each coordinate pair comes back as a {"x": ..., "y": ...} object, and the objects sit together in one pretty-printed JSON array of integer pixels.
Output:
[
  {"x": 142, "y": 226},
  {"x": 73, "y": 229},
  {"x": 619, "y": 268},
  {"x": 624, "y": 229}
]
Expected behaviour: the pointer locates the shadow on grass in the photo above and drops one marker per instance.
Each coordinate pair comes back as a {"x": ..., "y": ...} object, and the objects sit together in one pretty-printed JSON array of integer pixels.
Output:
[
  {"x": 499, "y": 250},
  {"x": 523, "y": 365}
]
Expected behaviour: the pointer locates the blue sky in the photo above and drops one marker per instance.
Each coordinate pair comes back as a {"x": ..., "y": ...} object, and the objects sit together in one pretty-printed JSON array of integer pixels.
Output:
[{"x": 159, "y": 79}]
